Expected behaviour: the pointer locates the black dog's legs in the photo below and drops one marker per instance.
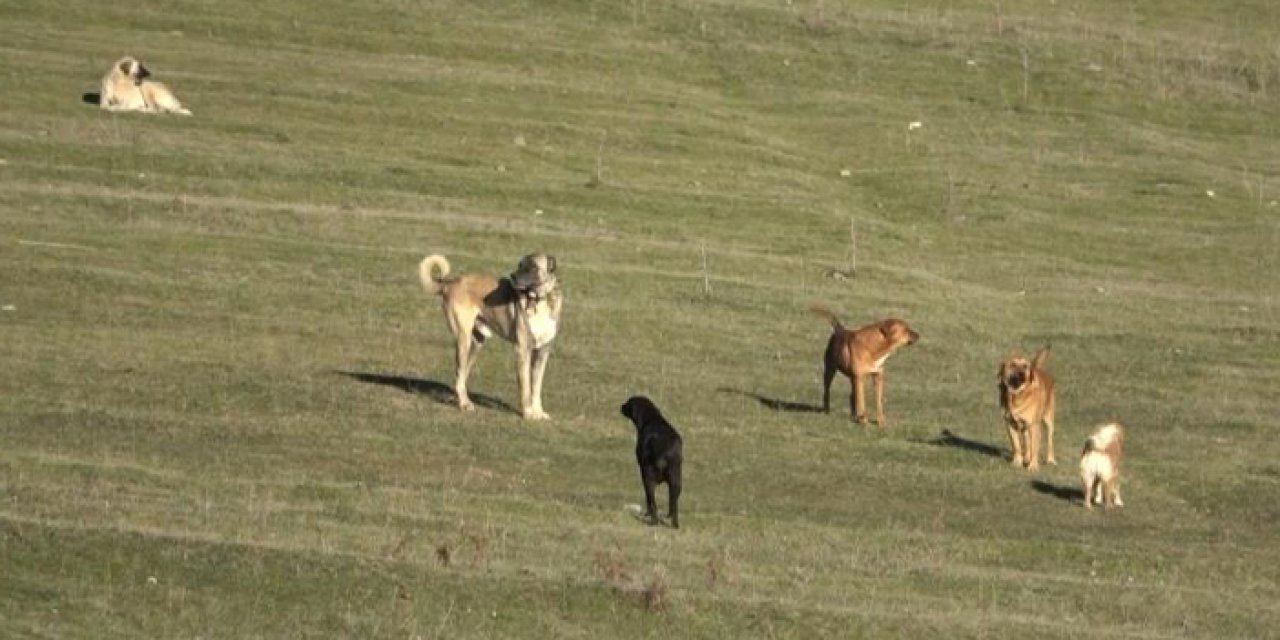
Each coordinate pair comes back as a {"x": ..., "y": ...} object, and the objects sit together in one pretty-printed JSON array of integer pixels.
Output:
[
  {"x": 673, "y": 494},
  {"x": 650, "y": 480}
]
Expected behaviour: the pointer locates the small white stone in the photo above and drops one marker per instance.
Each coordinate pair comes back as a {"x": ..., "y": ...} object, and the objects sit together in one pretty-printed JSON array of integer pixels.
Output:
[{"x": 912, "y": 126}]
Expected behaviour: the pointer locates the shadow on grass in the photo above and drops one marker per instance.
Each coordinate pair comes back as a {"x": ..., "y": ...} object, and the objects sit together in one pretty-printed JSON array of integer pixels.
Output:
[
  {"x": 949, "y": 439},
  {"x": 92, "y": 98},
  {"x": 1070, "y": 494},
  {"x": 774, "y": 403},
  {"x": 437, "y": 391}
]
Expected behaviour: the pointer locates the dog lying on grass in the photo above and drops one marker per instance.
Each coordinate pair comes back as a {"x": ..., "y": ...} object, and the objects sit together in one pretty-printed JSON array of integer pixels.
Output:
[
  {"x": 126, "y": 87},
  {"x": 1100, "y": 466},
  {"x": 659, "y": 452}
]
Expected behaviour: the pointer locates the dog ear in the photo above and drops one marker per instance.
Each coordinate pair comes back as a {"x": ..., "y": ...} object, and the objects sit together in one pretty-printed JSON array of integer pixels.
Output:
[
  {"x": 124, "y": 66},
  {"x": 551, "y": 264}
]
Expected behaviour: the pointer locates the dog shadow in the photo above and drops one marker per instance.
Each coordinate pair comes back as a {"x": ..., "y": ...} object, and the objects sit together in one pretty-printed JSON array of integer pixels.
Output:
[
  {"x": 949, "y": 439},
  {"x": 437, "y": 391},
  {"x": 1070, "y": 494},
  {"x": 775, "y": 404},
  {"x": 92, "y": 98}
]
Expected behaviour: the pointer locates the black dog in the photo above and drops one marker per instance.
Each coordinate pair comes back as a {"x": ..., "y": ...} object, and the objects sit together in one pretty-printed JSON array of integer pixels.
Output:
[{"x": 658, "y": 452}]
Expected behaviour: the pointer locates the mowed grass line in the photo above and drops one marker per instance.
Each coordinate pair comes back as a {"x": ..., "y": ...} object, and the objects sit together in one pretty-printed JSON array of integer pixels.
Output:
[{"x": 225, "y": 395}]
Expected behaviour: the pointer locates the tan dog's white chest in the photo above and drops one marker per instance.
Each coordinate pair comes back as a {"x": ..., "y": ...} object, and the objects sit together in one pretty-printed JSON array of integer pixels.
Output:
[{"x": 542, "y": 326}]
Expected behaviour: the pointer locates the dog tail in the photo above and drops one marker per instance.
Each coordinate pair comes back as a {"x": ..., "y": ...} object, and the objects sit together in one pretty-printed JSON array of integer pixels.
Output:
[
  {"x": 426, "y": 272},
  {"x": 830, "y": 315},
  {"x": 1041, "y": 357}
]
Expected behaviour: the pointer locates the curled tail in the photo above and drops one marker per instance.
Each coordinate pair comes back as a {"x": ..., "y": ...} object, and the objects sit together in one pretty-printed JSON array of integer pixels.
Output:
[
  {"x": 426, "y": 272},
  {"x": 1041, "y": 357},
  {"x": 820, "y": 310}
]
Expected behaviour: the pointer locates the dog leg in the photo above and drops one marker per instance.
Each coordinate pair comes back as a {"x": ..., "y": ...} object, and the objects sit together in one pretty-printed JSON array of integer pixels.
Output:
[
  {"x": 878, "y": 377},
  {"x": 1086, "y": 479},
  {"x": 828, "y": 374},
  {"x": 650, "y": 504},
  {"x": 1033, "y": 447},
  {"x": 539, "y": 369},
  {"x": 524, "y": 364},
  {"x": 859, "y": 400},
  {"x": 463, "y": 366},
  {"x": 1049, "y": 458},
  {"x": 1015, "y": 443}
]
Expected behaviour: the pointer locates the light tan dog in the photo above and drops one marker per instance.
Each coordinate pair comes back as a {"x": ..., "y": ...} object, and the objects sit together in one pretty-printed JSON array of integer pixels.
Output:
[
  {"x": 1100, "y": 466},
  {"x": 126, "y": 88},
  {"x": 859, "y": 353},
  {"x": 1027, "y": 397},
  {"x": 523, "y": 308}
]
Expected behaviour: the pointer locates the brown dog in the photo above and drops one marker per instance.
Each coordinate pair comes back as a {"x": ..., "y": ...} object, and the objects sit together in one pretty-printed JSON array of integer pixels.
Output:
[
  {"x": 1027, "y": 397},
  {"x": 523, "y": 308},
  {"x": 860, "y": 353},
  {"x": 1100, "y": 466}
]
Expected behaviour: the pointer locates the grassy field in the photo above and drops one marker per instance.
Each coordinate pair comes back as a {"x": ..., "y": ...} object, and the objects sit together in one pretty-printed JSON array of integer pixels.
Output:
[{"x": 224, "y": 400}]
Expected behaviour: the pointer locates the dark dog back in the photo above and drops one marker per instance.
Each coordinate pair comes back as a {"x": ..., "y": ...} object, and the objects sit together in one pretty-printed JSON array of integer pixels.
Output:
[{"x": 659, "y": 453}]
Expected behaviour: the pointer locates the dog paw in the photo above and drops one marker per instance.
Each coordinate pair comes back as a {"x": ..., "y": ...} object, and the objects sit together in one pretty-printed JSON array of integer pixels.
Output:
[
  {"x": 1051, "y": 460},
  {"x": 466, "y": 405},
  {"x": 536, "y": 414},
  {"x": 1033, "y": 467}
]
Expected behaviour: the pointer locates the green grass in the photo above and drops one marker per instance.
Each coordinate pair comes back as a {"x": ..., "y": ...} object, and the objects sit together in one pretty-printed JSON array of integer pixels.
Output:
[{"x": 224, "y": 411}]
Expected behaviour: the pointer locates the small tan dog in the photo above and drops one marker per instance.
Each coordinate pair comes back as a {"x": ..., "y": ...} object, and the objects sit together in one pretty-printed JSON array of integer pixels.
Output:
[
  {"x": 859, "y": 353},
  {"x": 1027, "y": 397},
  {"x": 1100, "y": 466},
  {"x": 126, "y": 88},
  {"x": 523, "y": 308}
]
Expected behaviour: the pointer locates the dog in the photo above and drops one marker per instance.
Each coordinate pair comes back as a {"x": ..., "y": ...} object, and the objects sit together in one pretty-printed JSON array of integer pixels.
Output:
[
  {"x": 1027, "y": 398},
  {"x": 1100, "y": 466},
  {"x": 126, "y": 87},
  {"x": 860, "y": 353},
  {"x": 659, "y": 452},
  {"x": 523, "y": 308}
]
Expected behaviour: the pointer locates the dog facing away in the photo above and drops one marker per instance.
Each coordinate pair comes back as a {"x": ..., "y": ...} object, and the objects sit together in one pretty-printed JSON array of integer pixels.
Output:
[
  {"x": 523, "y": 308},
  {"x": 860, "y": 353},
  {"x": 127, "y": 87},
  {"x": 659, "y": 452},
  {"x": 1028, "y": 400},
  {"x": 1100, "y": 466}
]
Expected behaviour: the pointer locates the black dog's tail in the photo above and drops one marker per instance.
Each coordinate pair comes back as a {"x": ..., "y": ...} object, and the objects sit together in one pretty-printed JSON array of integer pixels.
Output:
[{"x": 830, "y": 315}]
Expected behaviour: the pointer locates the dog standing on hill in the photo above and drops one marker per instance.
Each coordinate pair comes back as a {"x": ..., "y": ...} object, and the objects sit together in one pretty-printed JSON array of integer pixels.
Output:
[
  {"x": 523, "y": 308},
  {"x": 1100, "y": 466},
  {"x": 860, "y": 353},
  {"x": 1028, "y": 399},
  {"x": 126, "y": 87},
  {"x": 659, "y": 452}
]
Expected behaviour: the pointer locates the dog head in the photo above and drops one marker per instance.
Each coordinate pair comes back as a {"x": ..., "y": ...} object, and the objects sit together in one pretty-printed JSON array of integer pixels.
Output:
[
  {"x": 132, "y": 68},
  {"x": 536, "y": 274},
  {"x": 638, "y": 409},
  {"x": 1017, "y": 372},
  {"x": 898, "y": 333}
]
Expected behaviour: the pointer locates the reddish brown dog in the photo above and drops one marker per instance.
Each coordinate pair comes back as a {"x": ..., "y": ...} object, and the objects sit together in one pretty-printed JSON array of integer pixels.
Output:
[
  {"x": 859, "y": 353},
  {"x": 1027, "y": 397}
]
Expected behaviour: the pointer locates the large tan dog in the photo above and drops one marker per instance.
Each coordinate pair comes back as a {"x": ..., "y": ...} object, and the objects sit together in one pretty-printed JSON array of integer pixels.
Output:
[
  {"x": 126, "y": 88},
  {"x": 523, "y": 308},
  {"x": 1027, "y": 397},
  {"x": 1100, "y": 466},
  {"x": 859, "y": 353}
]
